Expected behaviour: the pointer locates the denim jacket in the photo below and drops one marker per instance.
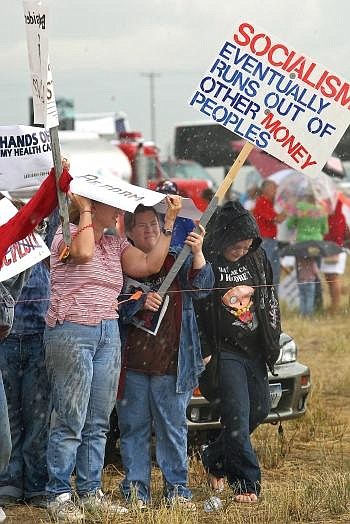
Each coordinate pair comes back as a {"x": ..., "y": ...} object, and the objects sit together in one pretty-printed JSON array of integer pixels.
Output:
[
  {"x": 28, "y": 316},
  {"x": 190, "y": 363},
  {"x": 10, "y": 291}
]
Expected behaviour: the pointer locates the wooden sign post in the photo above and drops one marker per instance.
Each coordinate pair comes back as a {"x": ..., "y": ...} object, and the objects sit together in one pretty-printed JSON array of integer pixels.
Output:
[{"x": 208, "y": 213}]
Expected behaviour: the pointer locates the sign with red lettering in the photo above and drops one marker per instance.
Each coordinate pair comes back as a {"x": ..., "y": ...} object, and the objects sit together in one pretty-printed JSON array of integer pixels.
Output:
[
  {"x": 275, "y": 97},
  {"x": 22, "y": 254}
]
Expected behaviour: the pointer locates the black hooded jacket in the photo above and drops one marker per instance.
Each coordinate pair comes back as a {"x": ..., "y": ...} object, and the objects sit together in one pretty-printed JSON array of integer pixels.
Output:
[{"x": 231, "y": 224}]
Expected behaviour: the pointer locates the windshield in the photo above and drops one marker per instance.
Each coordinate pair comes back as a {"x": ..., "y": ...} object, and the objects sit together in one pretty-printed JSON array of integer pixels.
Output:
[{"x": 188, "y": 171}]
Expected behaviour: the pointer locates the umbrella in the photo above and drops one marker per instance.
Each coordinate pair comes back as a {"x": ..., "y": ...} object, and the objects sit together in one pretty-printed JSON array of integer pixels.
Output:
[
  {"x": 334, "y": 168},
  {"x": 264, "y": 163},
  {"x": 267, "y": 165},
  {"x": 296, "y": 186},
  {"x": 312, "y": 248}
]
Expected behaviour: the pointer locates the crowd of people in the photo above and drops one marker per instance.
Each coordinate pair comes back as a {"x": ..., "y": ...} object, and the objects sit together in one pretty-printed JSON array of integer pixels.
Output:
[
  {"x": 79, "y": 334},
  {"x": 67, "y": 339},
  {"x": 308, "y": 222}
]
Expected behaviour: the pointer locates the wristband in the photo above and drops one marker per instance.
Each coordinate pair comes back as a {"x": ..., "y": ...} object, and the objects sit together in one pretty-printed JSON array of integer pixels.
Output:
[{"x": 167, "y": 232}]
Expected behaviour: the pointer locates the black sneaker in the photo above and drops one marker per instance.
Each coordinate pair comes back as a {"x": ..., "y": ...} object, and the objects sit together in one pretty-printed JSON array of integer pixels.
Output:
[
  {"x": 8, "y": 500},
  {"x": 38, "y": 501}
]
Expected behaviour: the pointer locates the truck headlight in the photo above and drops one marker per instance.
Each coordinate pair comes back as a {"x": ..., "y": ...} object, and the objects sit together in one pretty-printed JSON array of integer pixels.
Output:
[{"x": 288, "y": 349}]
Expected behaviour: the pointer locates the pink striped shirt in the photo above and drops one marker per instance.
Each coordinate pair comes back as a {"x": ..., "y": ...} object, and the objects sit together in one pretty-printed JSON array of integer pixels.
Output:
[{"x": 86, "y": 293}]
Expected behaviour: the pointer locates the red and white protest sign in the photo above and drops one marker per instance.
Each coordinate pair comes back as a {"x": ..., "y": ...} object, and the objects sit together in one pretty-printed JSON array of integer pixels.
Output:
[
  {"x": 24, "y": 253},
  {"x": 275, "y": 97}
]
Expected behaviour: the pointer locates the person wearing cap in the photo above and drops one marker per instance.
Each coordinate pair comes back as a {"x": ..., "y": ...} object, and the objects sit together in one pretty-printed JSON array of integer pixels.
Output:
[
  {"x": 183, "y": 226},
  {"x": 239, "y": 326}
]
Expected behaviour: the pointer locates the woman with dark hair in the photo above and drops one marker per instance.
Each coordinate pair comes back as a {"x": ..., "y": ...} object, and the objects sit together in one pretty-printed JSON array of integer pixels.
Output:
[
  {"x": 160, "y": 371},
  {"x": 240, "y": 326}
]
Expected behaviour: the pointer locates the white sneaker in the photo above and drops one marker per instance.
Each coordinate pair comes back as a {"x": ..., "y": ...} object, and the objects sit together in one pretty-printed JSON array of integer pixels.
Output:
[
  {"x": 2, "y": 515},
  {"x": 63, "y": 508},
  {"x": 98, "y": 501},
  {"x": 183, "y": 503}
]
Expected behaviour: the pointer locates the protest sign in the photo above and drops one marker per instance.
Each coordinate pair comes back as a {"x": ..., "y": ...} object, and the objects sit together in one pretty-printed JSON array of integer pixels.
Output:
[
  {"x": 275, "y": 97},
  {"x": 25, "y": 156},
  {"x": 35, "y": 17},
  {"x": 114, "y": 191},
  {"x": 22, "y": 254}
]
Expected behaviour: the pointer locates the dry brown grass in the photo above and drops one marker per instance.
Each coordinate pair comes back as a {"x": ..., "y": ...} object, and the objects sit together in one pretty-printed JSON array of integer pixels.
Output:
[{"x": 306, "y": 472}]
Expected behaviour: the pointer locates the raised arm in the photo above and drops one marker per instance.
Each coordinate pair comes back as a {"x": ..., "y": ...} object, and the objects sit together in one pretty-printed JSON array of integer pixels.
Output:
[{"x": 138, "y": 264}]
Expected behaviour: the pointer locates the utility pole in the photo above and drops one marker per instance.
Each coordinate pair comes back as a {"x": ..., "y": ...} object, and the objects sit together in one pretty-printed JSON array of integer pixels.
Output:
[{"x": 151, "y": 77}]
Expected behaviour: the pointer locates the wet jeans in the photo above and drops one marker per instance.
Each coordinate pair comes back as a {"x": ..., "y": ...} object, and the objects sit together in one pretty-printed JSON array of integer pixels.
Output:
[
  {"x": 5, "y": 435},
  {"x": 83, "y": 364},
  {"x": 307, "y": 291},
  {"x": 151, "y": 401},
  {"x": 245, "y": 403},
  {"x": 25, "y": 380}
]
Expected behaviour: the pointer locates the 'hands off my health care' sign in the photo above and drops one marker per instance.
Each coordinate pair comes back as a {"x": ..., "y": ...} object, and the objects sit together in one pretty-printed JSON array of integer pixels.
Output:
[{"x": 276, "y": 98}]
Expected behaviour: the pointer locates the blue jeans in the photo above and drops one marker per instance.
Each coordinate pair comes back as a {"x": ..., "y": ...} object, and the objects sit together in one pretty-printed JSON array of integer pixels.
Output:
[
  {"x": 270, "y": 246},
  {"x": 152, "y": 399},
  {"x": 5, "y": 435},
  {"x": 245, "y": 403},
  {"x": 25, "y": 380},
  {"x": 83, "y": 364},
  {"x": 307, "y": 291}
]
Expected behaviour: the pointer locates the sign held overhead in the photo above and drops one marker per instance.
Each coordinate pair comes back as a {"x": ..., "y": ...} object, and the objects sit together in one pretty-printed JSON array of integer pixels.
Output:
[{"x": 278, "y": 99}]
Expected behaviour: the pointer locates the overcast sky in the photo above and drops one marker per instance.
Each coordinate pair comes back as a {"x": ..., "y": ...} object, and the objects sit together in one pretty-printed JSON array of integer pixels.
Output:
[{"x": 99, "y": 48}]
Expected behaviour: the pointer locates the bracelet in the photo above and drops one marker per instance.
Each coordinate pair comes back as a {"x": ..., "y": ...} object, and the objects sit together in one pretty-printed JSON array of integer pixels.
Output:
[
  {"x": 82, "y": 229},
  {"x": 65, "y": 253},
  {"x": 86, "y": 211}
]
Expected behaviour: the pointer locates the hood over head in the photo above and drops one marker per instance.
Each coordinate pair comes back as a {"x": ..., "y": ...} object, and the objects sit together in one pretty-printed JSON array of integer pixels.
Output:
[{"x": 231, "y": 224}]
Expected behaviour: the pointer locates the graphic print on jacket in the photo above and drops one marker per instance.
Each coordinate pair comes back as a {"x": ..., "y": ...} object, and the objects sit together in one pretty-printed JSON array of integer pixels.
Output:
[{"x": 239, "y": 328}]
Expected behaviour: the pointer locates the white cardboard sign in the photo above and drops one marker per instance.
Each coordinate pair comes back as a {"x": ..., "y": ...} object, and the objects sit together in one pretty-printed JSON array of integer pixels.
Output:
[
  {"x": 22, "y": 254},
  {"x": 275, "y": 97},
  {"x": 44, "y": 102},
  {"x": 116, "y": 192},
  {"x": 25, "y": 156},
  {"x": 113, "y": 191}
]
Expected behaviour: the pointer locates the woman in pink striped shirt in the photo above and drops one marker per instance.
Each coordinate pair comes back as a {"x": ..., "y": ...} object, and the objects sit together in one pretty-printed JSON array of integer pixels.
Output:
[{"x": 83, "y": 348}]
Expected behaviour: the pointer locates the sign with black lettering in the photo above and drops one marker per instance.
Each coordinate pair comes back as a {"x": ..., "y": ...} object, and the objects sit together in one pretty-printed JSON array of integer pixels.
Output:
[
  {"x": 25, "y": 156},
  {"x": 44, "y": 103}
]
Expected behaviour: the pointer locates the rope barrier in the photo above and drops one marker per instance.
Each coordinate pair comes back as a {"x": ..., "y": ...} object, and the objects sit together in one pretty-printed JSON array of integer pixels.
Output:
[{"x": 138, "y": 294}]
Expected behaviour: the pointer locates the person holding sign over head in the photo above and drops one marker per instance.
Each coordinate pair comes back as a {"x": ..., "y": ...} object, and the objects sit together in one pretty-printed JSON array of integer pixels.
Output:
[
  {"x": 83, "y": 348},
  {"x": 239, "y": 326},
  {"x": 160, "y": 372}
]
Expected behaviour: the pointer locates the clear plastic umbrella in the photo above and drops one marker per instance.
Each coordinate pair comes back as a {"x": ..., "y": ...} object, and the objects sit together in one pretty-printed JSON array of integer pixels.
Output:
[{"x": 294, "y": 187}]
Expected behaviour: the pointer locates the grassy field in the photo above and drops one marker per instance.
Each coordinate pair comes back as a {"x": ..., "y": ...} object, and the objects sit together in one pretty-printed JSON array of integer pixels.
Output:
[{"x": 306, "y": 470}]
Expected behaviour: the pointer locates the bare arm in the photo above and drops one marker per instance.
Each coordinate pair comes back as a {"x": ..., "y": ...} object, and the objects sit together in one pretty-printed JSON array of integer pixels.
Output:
[
  {"x": 138, "y": 264},
  {"x": 83, "y": 244}
]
